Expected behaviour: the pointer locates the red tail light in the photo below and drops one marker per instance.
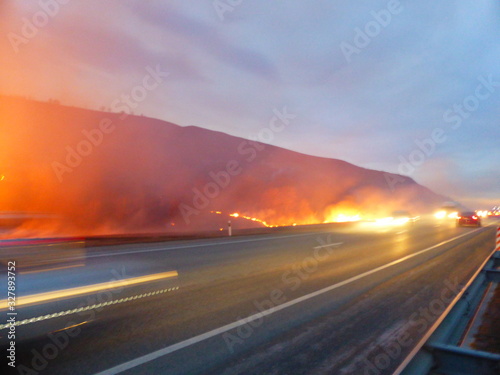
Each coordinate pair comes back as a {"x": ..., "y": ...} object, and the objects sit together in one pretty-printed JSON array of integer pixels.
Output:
[{"x": 474, "y": 217}]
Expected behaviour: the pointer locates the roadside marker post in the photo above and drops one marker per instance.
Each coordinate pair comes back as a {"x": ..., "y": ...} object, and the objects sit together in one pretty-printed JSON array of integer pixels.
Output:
[
  {"x": 229, "y": 231},
  {"x": 497, "y": 247}
]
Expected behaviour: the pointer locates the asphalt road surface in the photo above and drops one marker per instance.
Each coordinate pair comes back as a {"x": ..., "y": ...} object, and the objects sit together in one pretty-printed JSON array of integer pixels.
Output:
[{"x": 333, "y": 299}]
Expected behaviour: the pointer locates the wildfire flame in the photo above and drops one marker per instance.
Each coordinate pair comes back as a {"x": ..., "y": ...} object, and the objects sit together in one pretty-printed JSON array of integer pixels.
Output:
[
  {"x": 341, "y": 213},
  {"x": 236, "y": 214}
]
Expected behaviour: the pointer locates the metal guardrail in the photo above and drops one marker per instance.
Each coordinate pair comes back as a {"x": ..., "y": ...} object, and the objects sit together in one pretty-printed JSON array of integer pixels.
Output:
[{"x": 438, "y": 351}]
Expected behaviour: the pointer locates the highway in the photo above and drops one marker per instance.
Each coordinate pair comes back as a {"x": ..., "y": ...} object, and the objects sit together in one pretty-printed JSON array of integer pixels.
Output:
[{"x": 329, "y": 299}]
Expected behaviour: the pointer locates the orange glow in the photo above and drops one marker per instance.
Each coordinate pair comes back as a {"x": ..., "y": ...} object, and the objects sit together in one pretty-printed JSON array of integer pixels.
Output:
[
  {"x": 342, "y": 218},
  {"x": 440, "y": 214},
  {"x": 91, "y": 198}
]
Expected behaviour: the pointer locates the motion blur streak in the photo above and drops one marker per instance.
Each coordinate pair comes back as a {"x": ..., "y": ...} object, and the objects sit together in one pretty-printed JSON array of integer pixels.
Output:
[
  {"x": 73, "y": 292},
  {"x": 54, "y": 268}
]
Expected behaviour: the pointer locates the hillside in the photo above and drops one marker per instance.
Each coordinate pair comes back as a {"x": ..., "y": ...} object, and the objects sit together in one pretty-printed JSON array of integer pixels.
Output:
[{"x": 109, "y": 173}]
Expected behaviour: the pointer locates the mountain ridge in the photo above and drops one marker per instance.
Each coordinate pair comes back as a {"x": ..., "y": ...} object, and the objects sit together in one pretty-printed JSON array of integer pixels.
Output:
[{"x": 108, "y": 173}]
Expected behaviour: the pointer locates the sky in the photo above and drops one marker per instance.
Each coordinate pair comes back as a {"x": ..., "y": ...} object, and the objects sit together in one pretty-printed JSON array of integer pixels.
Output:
[{"x": 400, "y": 86}]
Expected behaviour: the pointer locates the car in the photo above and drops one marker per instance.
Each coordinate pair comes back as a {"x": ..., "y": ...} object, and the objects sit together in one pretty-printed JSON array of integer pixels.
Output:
[
  {"x": 468, "y": 219},
  {"x": 447, "y": 212}
]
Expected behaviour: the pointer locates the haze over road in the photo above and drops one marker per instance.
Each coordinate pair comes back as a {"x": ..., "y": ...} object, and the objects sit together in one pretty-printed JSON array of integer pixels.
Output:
[{"x": 318, "y": 300}]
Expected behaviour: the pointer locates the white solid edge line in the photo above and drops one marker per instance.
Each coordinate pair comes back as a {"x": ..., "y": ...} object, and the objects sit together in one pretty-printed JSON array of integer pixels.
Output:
[{"x": 217, "y": 331}]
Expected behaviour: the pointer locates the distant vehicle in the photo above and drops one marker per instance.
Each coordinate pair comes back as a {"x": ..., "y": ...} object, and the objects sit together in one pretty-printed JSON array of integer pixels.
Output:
[
  {"x": 397, "y": 218},
  {"x": 482, "y": 213},
  {"x": 403, "y": 216},
  {"x": 468, "y": 219},
  {"x": 447, "y": 212},
  {"x": 494, "y": 212}
]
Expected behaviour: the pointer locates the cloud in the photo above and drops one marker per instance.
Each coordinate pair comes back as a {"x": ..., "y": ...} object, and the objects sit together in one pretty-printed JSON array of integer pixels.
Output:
[{"x": 206, "y": 37}]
